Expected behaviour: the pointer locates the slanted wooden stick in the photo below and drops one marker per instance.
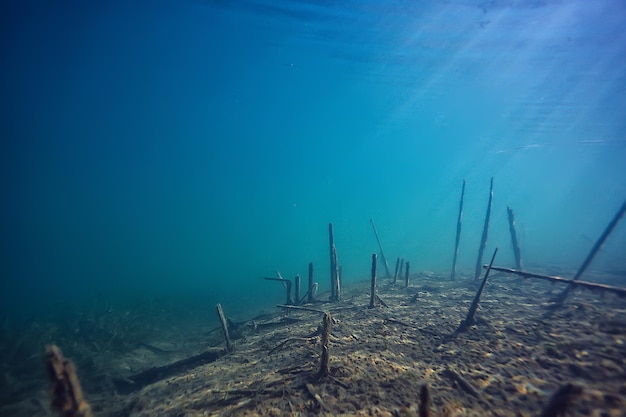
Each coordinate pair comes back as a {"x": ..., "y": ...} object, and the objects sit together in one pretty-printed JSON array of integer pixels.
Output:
[
  {"x": 516, "y": 250},
  {"x": 585, "y": 284},
  {"x": 311, "y": 295},
  {"x": 382, "y": 253},
  {"x": 325, "y": 342},
  {"x": 66, "y": 393},
  {"x": 469, "y": 320},
  {"x": 373, "y": 286},
  {"x": 220, "y": 313},
  {"x": 458, "y": 233},
  {"x": 483, "y": 239},
  {"x": 618, "y": 216}
]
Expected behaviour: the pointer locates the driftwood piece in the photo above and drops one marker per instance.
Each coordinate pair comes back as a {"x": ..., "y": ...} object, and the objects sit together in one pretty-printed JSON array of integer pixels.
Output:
[
  {"x": 220, "y": 313},
  {"x": 292, "y": 307},
  {"x": 584, "y": 284},
  {"x": 324, "y": 371},
  {"x": 66, "y": 393},
  {"x": 382, "y": 253},
  {"x": 458, "y": 233},
  {"x": 516, "y": 250},
  {"x": 469, "y": 320},
  {"x": 483, "y": 239},
  {"x": 373, "y": 284}
]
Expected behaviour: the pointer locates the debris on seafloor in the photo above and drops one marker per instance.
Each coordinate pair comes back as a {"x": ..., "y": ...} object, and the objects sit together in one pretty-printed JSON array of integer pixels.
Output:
[
  {"x": 458, "y": 233},
  {"x": 65, "y": 390},
  {"x": 483, "y": 239},
  {"x": 469, "y": 320}
]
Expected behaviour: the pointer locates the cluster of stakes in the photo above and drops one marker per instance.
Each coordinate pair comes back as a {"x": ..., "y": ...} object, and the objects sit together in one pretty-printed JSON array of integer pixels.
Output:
[{"x": 68, "y": 400}]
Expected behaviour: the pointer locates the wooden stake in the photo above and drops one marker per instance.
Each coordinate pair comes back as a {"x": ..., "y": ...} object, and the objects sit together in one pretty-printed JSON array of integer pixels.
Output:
[
  {"x": 585, "y": 284},
  {"x": 406, "y": 276},
  {"x": 333, "y": 267},
  {"x": 618, "y": 216},
  {"x": 311, "y": 295},
  {"x": 66, "y": 393},
  {"x": 425, "y": 402},
  {"x": 516, "y": 250},
  {"x": 382, "y": 253},
  {"x": 373, "y": 286},
  {"x": 483, "y": 239},
  {"x": 469, "y": 320},
  {"x": 395, "y": 275},
  {"x": 287, "y": 284},
  {"x": 297, "y": 291},
  {"x": 325, "y": 342},
  {"x": 458, "y": 233},
  {"x": 220, "y": 313}
]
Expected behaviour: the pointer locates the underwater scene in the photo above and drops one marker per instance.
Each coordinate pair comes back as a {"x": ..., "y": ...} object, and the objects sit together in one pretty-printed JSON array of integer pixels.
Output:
[{"x": 311, "y": 207}]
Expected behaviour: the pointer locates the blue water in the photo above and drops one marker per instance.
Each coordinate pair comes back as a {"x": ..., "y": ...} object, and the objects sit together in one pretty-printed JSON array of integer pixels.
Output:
[{"x": 189, "y": 148}]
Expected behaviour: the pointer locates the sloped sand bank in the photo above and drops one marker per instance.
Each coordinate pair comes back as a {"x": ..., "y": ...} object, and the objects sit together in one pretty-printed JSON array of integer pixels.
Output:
[{"x": 518, "y": 354}]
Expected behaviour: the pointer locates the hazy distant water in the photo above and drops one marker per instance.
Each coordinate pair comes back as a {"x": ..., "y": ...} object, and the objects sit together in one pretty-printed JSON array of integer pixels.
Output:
[{"x": 189, "y": 148}]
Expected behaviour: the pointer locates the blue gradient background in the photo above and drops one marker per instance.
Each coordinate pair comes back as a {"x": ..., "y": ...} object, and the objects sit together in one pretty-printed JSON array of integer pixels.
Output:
[{"x": 188, "y": 148}]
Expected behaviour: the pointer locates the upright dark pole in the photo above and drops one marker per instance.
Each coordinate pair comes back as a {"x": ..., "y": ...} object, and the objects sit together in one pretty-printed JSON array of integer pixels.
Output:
[
  {"x": 516, "y": 251},
  {"x": 395, "y": 275},
  {"x": 406, "y": 275},
  {"x": 311, "y": 297},
  {"x": 458, "y": 233},
  {"x": 297, "y": 290},
  {"x": 469, "y": 320},
  {"x": 333, "y": 264},
  {"x": 483, "y": 240},
  {"x": 382, "y": 253},
  {"x": 373, "y": 286},
  {"x": 618, "y": 216}
]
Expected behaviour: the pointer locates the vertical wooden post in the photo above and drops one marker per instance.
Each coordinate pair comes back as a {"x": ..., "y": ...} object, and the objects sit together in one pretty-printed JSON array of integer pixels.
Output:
[
  {"x": 425, "y": 402},
  {"x": 373, "y": 286},
  {"x": 325, "y": 342},
  {"x": 395, "y": 275},
  {"x": 220, "y": 313},
  {"x": 334, "y": 274},
  {"x": 406, "y": 276},
  {"x": 311, "y": 295},
  {"x": 483, "y": 240},
  {"x": 288, "y": 287},
  {"x": 297, "y": 291},
  {"x": 458, "y": 233},
  {"x": 469, "y": 320},
  {"x": 516, "y": 250}
]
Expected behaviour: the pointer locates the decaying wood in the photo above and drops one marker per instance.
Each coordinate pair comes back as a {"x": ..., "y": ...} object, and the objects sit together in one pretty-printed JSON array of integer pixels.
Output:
[
  {"x": 382, "y": 253},
  {"x": 220, "y": 313},
  {"x": 325, "y": 342},
  {"x": 469, "y": 320},
  {"x": 311, "y": 296},
  {"x": 458, "y": 233},
  {"x": 425, "y": 401},
  {"x": 66, "y": 393},
  {"x": 373, "y": 283},
  {"x": 573, "y": 283},
  {"x": 516, "y": 249},
  {"x": 483, "y": 239},
  {"x": 313, "y": 310}
]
